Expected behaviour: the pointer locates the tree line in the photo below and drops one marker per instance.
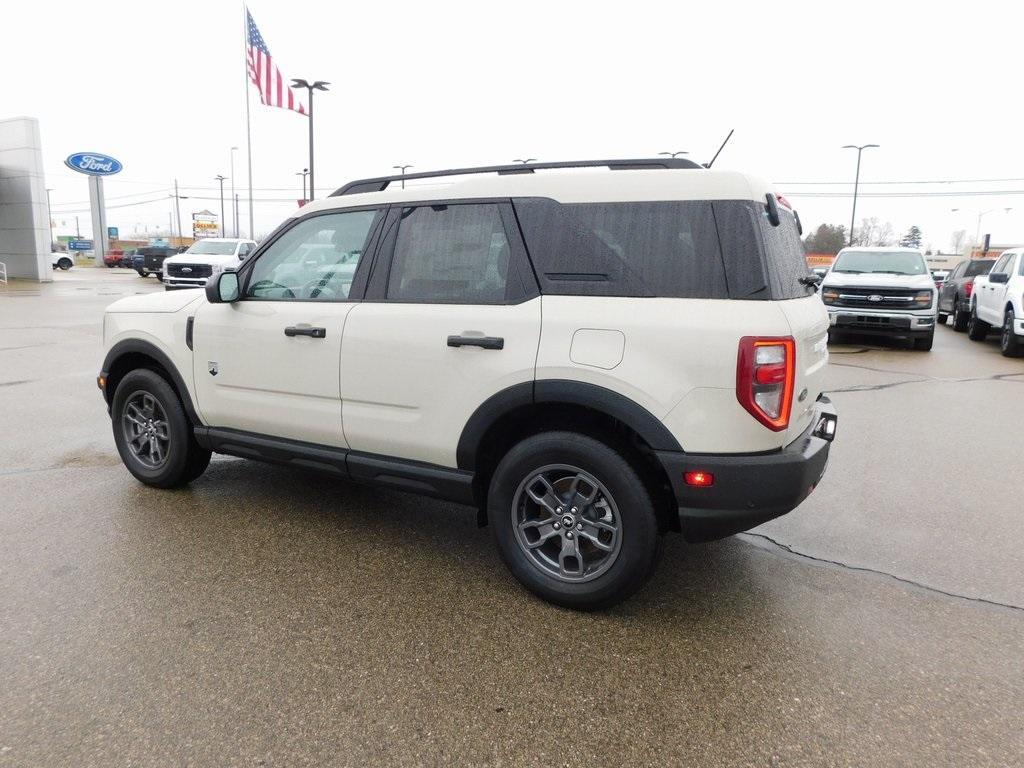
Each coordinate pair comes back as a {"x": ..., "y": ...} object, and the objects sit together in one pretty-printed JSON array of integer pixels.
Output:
[{"x": 832, "y": 238}]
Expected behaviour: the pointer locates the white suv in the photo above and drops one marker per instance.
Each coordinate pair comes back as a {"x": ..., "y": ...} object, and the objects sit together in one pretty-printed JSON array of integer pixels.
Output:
[
  {"x": 589, "y": 359},
  {"x": 203, "y": 259}
]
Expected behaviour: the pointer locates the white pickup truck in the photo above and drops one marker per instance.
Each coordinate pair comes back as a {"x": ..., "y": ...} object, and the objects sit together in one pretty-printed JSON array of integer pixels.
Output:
[{"x": 998, "y": 302}]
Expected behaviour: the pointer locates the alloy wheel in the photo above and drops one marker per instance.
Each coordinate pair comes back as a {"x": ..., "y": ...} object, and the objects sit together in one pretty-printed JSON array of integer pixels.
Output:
[
  {"x": 567, "y": 523},
  {"x": 146, "y": 431}
]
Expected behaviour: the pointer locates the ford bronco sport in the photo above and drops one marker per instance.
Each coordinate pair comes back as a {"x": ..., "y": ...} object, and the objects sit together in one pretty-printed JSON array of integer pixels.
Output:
[{"x": 591, "y": 359}]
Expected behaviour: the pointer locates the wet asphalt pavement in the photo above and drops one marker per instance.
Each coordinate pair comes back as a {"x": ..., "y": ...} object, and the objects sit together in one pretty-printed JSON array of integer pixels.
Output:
[{"x": 264, "y": 617}]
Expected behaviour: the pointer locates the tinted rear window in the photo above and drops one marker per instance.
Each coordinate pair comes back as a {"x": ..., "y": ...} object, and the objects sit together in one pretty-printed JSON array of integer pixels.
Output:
[
  {"x": 979, "y": 267},
  {"x": 784, "y": 256},
  {"x": 666, "y": 249}
]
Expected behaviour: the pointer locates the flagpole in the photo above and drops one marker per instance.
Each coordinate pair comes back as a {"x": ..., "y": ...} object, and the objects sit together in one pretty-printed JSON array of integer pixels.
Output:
[{"x": 248, "y": 127}]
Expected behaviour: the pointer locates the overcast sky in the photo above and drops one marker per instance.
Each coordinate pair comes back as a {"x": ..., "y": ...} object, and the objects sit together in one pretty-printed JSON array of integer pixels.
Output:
[{"x": 159, "y": 85}]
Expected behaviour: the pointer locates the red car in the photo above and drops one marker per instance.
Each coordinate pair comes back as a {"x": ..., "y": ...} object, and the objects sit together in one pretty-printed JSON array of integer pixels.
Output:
[{"x": 113, "y": 258}]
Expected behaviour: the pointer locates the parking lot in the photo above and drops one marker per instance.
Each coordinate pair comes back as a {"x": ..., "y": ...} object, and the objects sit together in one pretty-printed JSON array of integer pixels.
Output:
[{"x": 265, "y": 617}]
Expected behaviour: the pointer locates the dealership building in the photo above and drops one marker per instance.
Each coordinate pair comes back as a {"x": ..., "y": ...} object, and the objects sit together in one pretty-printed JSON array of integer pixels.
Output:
[{"x": 24, "y": 214}]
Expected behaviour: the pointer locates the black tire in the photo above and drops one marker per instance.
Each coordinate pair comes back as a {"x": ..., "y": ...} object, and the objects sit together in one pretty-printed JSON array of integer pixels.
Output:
[
  {"x": 941, "y": 319},
  {"x": 142, "y": 272},
  {"x": 159, "y": 276},
  {"x": 181, "y": 458},
  {"x": 960, "y": 318},
  {"x": 627, "y": 502},
  {"x": 1009, "y": 343},
  {"x": 924, "y": 343},
  {"x": 111, "y": 266},
  {"x": 977, "y": 329},
  {"x": 65, "y": 264},
  {"x": 834, "y": 337}
]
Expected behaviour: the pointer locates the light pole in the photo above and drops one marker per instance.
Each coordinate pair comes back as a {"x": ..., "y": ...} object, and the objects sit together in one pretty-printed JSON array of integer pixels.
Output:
[
  {"x": 316, "y": 85},
  {"x": 234, "y": 198},
  {"x": 401, "y": 169},
  {"x": 981, "y": 215},
  {"x": 673, "y": 154},
  {"x": 177, "y": 206},
  {"x": 856, "y": 182},
  {"x": 221, "y": 179},
  {"x": 526, "y": 161},
  {"x": 303, "y": 173}
]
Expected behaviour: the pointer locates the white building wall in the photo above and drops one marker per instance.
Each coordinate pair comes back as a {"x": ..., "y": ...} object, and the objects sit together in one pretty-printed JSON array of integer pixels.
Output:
[{"x": 24, "y": 218}]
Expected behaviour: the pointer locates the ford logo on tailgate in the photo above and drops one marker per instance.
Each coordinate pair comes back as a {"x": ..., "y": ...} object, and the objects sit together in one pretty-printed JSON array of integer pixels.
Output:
[{"x": 93, "y": 164}]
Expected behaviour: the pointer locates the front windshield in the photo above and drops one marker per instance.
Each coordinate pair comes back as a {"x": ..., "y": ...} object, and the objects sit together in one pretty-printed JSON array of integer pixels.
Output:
[
  {"x": 212, "y": 248},
  {"x": 880, "y": 262}
]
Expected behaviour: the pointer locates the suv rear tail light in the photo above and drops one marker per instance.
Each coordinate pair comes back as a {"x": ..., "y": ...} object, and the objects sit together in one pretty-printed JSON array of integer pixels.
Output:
[
  {"x": 969, "y": 288},
  {"x": 765, "y": 373}
]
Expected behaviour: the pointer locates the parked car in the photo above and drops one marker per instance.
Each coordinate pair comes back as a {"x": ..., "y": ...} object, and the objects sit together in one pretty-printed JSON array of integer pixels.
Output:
[
  {"x": 881, "y": 291},
  {"x": 60, "y": 260},
  {"x": 113, "y": 258},
  {"x": 149, "y": 259},
  {"x": 998, "y": 302},
  {"x": 673, "y": 381},
  {"x": 204, "y": 258},
  {"x": 939, "y": 277},
  {"x": 955, "y": 294},
  {"x": 128, "y": 258},
  {"x": 820, "y": 271}
]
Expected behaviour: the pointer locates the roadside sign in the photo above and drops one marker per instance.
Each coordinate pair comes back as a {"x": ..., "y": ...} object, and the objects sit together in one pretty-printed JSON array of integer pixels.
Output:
[
  {"x": 79, "y": 245},
  {"x": 93, "y": 164},
  {"x": 112, "y": 233}
]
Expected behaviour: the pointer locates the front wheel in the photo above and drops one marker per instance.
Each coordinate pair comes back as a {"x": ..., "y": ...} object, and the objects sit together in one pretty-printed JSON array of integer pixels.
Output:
[
  {"x": 64, "y": 264},
  {"x": 159, "y": 276},
  {"x": 152, "y": 432},
  {"x": 1009, "y": 343},
  {"x": 977, "y": 329},
  {"x": 142, "y": 272},
  {"x": 573, "y": 520},
  {"x": 941, "y": 319},
  {"x": 924, "y": 343}
]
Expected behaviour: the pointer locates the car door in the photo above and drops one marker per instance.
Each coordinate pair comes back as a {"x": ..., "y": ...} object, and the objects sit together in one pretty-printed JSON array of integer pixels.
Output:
[
  {"x": 270, "y": 362},
  {"x": 990, "y": 297},
  {"x": 948, "y": 291},
  {"x": 451, "y": 317}
]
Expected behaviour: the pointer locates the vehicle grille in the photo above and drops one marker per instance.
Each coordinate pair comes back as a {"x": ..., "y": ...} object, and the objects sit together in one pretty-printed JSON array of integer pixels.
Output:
[
  {"x": 875, "y": 298},
  {"x": 193, "y": 270}
]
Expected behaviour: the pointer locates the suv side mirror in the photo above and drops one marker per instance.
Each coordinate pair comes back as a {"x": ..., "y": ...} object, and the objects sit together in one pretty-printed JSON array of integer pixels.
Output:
[
  {"x": 224, "y": 289},
  {"x": 998, "y": 277}
]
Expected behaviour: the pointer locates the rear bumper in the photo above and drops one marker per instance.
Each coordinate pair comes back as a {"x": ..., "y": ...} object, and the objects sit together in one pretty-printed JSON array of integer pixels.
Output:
[{"x": 750, "y": 489}]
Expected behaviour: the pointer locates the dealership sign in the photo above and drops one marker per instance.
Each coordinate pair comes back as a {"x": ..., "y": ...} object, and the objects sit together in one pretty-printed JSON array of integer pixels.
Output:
[{"x": 93, "y": 164}]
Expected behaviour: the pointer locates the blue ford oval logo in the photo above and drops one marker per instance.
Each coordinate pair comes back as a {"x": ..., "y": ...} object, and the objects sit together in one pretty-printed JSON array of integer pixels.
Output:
[{"x": 93, "y": 164}]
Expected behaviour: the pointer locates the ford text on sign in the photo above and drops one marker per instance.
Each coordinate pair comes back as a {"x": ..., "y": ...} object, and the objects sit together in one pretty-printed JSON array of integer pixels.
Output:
[{"x": 93, "y": 163}]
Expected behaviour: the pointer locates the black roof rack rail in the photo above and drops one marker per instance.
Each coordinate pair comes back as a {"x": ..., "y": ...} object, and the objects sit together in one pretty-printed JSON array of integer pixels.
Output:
[{"x": 380, "y": 183}]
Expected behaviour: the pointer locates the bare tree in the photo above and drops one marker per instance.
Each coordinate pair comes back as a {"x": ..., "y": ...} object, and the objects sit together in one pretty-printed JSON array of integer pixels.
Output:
[
  {"x": 957, "y": 241},
  {"x": 872, "y": 232}
]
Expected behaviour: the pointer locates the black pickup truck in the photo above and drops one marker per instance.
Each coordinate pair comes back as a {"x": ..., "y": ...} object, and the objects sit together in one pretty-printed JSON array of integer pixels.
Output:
[{"x": 149, "y": 260}]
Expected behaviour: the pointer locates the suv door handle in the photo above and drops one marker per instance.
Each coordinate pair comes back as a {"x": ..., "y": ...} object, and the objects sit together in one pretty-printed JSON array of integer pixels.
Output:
[
  {"x": 484, "y": 342},
  {"x": 295, "y": 330}
]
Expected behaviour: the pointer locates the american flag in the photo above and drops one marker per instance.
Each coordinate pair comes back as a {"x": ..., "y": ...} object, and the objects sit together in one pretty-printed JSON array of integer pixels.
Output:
[{"x": 274, "y": 91}]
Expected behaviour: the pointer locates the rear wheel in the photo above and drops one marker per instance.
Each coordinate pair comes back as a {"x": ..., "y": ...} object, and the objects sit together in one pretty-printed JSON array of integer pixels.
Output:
[
  {"x": 1009, "y": 343},
  {"x": 960, "y": 318},
  {"x": 152, "y": 432},
  {"x": 573, "y": 521},
  {"x": 64, "y": 264},
  {"x": 977, "y": 329},
  {"x": 142, "y": 272}
]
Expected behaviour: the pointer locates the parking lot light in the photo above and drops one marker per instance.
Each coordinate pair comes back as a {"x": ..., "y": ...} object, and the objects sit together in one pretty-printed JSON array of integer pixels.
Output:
[
  {"x": 856, "y": 182},
  {"x": 316, "y": 85}
]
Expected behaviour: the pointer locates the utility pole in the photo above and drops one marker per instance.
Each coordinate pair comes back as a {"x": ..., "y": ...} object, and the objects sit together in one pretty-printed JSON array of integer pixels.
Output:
[
  {"x": 234, "y": 197},
  {"x": 177, "y": 207},
  {"x": 303, "y": 173},
  {"x": 236, "y": 215},
  {"x": 221, "y": 179},
  {"x": 856, "y": 183}
]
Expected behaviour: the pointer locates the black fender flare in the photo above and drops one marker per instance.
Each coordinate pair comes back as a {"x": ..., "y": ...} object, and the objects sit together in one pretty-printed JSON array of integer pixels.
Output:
[
  {"x": 554, "y": 391},
  {"x": 142, "y": 347}
]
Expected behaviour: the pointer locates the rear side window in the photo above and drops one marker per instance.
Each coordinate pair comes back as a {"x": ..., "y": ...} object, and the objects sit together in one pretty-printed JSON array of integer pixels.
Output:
[
  {"x": 668, "y": 249},
  {"x": 784, "y": 257},
  {"x": 450, "y": 254},
  {"x": 739, "y": 229},
  {"x": 979, "y": 267}
]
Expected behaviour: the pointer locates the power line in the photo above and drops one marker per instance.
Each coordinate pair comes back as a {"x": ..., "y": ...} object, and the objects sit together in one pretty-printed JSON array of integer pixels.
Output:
[
  {"x": 909, "y": 195},
  {"x": 923, "y": 181}
]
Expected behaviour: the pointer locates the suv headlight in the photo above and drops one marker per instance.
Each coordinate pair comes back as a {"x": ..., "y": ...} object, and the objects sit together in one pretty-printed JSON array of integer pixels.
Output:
[
  {"x": 923, "y": 299},
  {"x": 830, "y": 295}
]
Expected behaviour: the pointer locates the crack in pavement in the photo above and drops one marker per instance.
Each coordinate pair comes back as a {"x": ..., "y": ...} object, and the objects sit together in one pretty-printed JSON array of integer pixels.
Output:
[
  {"x": 873, "y": 387},
  {"x": 787, "y": 549}
]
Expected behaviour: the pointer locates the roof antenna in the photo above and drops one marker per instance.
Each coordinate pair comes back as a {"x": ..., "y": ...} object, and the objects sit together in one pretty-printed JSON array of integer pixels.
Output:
[{"x": 708, "y": 165}]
